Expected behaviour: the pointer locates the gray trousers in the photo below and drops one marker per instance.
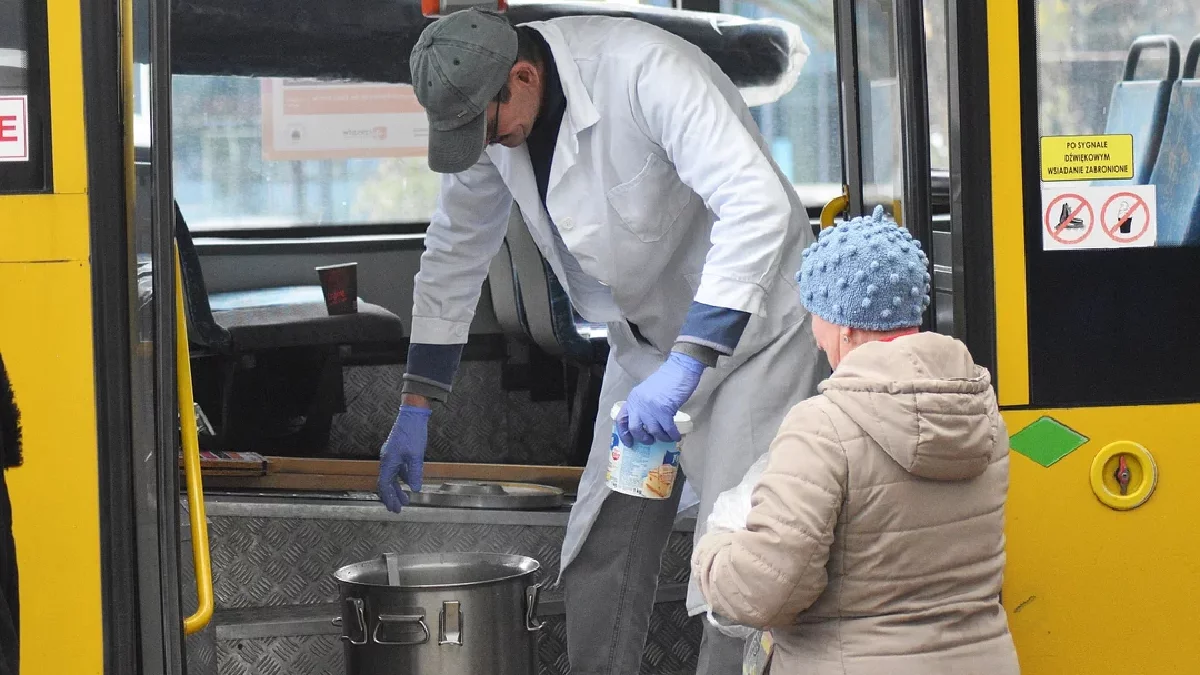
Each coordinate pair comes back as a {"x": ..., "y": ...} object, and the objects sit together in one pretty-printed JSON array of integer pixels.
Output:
[{"x": 609, "y": 592}]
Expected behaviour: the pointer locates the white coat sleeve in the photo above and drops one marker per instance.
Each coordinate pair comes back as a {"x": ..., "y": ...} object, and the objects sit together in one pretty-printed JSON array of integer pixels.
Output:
[
  {"x": 464, "y": 234},
  {"x": 687, "y": 114}
]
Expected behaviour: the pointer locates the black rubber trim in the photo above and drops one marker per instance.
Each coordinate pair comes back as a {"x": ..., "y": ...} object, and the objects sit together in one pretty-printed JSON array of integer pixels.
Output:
[
  {"x": 111, "y": 335},
  {"x": 208, "y": 246},
  {"x": 310, "y": 231},
  {"x": 971, "y": 177},
  {"x": 939, "y": 200}
]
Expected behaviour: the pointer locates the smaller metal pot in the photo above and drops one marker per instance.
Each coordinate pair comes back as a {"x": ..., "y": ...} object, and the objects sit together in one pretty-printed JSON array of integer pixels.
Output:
[{"x": 440, "y": 614}]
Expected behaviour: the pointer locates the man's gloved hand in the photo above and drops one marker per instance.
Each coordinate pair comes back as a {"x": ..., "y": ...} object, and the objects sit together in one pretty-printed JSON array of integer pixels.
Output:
[
  {"x": 649, "y": 412},
  {"x": 403, "y": 456}
]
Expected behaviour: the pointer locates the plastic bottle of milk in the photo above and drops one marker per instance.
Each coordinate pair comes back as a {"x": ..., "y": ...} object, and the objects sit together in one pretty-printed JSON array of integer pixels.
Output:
[{"x": 645, "y": 470}]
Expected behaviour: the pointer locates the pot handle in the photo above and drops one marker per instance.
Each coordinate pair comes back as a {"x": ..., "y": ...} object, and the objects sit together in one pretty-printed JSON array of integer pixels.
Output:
[
  {"x": 531, "y": 605},
  {"x": 360, "y": 615},
  {"x": 418, "y": 619},
  {"x": 451, "y": 620}
]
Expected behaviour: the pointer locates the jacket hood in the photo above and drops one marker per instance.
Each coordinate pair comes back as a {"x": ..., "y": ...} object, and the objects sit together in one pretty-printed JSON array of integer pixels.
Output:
[{"x": 923, "y": 399}]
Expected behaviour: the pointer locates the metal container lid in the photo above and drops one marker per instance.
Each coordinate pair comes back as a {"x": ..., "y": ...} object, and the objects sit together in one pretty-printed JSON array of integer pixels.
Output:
[
  {"x": 466, "y": 494},
  {"x": 437, "y": 570}
]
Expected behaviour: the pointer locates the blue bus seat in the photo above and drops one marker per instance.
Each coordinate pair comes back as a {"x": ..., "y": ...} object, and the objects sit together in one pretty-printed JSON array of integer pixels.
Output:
[
  {"x": 1139, "y": 107},
  {"x": 1176, "y": 174}
]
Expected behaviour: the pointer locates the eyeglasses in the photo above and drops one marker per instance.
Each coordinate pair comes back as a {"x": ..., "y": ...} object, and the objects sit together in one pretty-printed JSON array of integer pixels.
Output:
[{"x": 493, "y": 128}]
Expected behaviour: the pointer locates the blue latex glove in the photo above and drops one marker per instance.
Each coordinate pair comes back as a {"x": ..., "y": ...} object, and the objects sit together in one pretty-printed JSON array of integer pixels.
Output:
[
  {"x": 649, "y": 412},
  {"x": 403, "y": 456}
]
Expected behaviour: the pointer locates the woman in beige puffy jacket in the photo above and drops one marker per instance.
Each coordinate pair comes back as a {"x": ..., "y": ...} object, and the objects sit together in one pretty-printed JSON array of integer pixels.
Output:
[{"x": 875, "y": 545}]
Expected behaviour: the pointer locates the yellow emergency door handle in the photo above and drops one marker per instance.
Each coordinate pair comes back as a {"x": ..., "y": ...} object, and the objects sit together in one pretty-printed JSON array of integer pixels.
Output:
[
  {"x": 201, "y": 560},
  {"x": 834, "y": 207}
]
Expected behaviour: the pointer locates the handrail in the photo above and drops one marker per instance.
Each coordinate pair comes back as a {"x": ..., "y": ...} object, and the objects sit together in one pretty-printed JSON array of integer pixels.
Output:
[
  {"x": 834, "y": 207},
  {"x": 1166, "y": 42},
  {"x": 201, "y": 558}
]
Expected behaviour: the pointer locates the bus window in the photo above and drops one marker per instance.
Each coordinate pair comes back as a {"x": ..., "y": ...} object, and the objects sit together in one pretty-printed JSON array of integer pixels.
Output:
[
  {"x": 879, "y": 103},
  {"x": 803, "y": 128},
  {"x": 247, "y": 153},
  {"x": 24, "y": 97},
  {"x": 1113, "y": 202},
  {"x": 232, "y": 169},
  {"x": 1119, "y": 117}
]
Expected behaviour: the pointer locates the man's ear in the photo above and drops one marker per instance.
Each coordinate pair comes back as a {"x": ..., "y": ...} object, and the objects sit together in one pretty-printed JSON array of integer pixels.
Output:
[{"x": 525, "y": 72}]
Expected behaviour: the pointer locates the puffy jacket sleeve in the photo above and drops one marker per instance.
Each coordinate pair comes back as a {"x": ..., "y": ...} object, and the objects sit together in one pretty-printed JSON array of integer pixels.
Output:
[
  {"x": 464, "y": 234},
  {"x": 774, "y": 569}
]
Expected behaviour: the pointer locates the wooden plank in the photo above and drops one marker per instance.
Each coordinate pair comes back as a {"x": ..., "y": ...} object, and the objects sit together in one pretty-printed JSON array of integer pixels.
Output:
[
  {"x": 293, "y": 473},
  {"x": 333, "y": 467},
  {"x": 511, "y": 473}
]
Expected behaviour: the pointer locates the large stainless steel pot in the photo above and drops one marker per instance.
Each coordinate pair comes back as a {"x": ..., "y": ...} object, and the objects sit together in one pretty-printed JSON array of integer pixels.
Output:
[{"x": 440, "y": 614}]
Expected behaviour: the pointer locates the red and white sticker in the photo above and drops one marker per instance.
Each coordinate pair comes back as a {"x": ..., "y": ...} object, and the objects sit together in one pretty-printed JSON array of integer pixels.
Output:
[
  {"x": 1077, "y": 218},
  {"x": 14, "y": 129}
]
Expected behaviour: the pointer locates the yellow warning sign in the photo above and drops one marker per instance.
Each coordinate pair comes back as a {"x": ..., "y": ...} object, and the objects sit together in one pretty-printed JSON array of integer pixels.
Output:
[{"x": 1107, "y": 157}]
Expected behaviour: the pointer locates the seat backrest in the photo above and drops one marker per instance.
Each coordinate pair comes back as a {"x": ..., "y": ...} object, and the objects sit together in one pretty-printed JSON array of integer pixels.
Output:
[
  {"x": 532, "y": 284},
  {"x": 1176, "y": 177},
  {"x": 1139, "y": 107},
  {"x": 203, "y": 329},
  {"x": 550, "y": 320},
  {"x": 506, "y": 303}
]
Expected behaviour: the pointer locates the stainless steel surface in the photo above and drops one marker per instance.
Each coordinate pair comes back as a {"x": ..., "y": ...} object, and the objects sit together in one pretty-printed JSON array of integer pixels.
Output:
[
  {"x": 326, "y": 618},
  {"x": 267, "y": 560},
  {"x": 486, "y": 614},
  {"x": 346, "y": 510},
  {"x": 532, "y": 595},
  {"x": 487, "y": 495},
  {"x": 393, "y": 569},
  {"x": 506, "y": 427},
  {"x": 451, "y": 623},
  {"x": 276, "y": 596},
  {"x": 671, "y": 649},
  {"x": 285, "y": 621},
  {"x": 200, "y": 649}
]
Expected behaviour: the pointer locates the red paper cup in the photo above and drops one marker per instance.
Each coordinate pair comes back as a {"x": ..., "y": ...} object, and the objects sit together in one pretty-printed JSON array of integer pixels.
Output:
[{"x": 339, "y": 283}]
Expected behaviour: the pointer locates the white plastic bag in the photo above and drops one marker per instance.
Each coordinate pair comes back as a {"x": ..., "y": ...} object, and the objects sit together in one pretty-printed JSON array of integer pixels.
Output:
[
  {"x": 756, "y": 658},
  {"x": 730, "y": 512}
]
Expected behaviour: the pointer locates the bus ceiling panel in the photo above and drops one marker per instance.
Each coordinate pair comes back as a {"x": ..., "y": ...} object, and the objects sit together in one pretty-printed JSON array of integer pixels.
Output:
[{"x": 370, "y": 40}]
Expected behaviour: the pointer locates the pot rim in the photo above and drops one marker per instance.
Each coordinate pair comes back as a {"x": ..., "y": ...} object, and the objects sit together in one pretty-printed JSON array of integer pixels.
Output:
[{"x": 342, "y": 573}]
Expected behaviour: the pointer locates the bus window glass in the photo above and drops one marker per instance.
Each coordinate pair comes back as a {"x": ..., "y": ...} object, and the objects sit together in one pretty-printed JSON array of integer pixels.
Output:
[
  {"x": 803, "y": 128},
  {"x": 246, "y": 153},
  {"x": 1119, "y": 120},
  {"x": 879, "y": 105},
  {"x": 1112, "y": 233},
  {"x": 938, "y": 79},
  {"x": 228, "y": 173},
  {"x": 23, "y": 97}
]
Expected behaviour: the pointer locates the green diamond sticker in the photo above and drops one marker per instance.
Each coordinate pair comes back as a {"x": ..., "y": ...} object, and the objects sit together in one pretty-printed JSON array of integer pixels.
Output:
[{"x": 1046, "y": 441}]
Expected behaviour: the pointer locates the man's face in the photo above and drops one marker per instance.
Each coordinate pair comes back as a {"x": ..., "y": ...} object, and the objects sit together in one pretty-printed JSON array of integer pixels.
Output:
[{"x": 509, "y": 122}]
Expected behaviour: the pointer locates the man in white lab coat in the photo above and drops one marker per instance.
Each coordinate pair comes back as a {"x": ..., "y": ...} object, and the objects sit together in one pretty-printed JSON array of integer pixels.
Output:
[{"x": 649, "y": 190}]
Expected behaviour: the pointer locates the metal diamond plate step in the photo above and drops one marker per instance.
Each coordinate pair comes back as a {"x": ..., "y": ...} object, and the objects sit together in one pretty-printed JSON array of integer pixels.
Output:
[
  {"x": 273, "y": 561},
  {"x": 671, "y": 649},
  {"x": 272, "y": 553}
]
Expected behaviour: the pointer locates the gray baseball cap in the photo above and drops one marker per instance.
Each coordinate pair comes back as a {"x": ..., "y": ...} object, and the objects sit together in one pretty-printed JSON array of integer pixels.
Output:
[{"x": 459, "y": 64}]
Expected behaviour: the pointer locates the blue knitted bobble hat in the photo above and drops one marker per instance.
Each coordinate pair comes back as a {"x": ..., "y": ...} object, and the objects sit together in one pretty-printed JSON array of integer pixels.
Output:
[{"x": 866, "y": 273}]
